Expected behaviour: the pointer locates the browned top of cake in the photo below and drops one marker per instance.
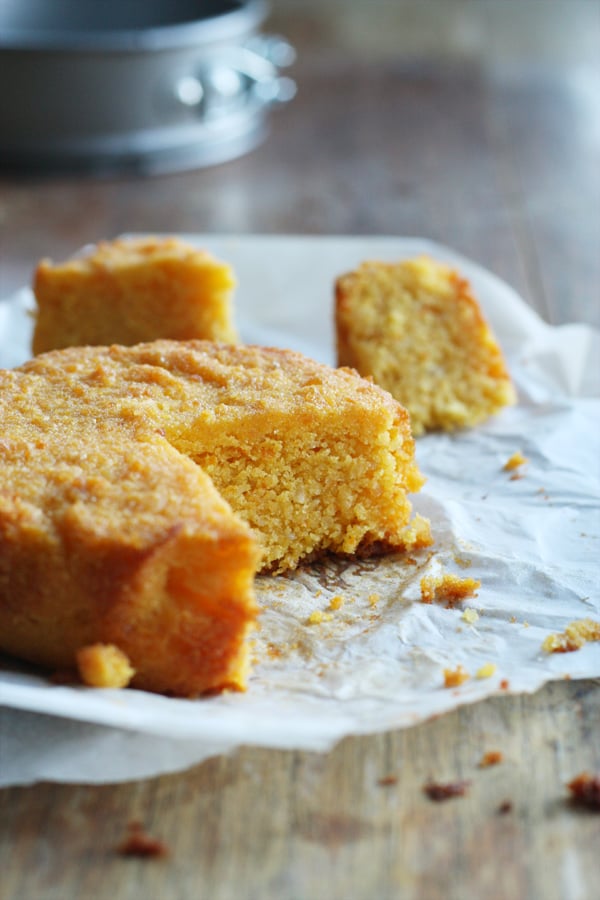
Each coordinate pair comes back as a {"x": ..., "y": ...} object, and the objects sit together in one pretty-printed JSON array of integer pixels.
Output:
[
  {"x": 124, "y": 254},
  {"x": 176, "y": 383},
  {"x": 234, "y": 410}
]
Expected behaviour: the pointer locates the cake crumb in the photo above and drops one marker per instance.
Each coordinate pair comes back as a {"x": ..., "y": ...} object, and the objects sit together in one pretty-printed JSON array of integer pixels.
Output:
[
  {"x": 575, "y": 635},
  {"x": 440, "y": 792},
  {"x": 491, "y": 758},
  {"x": 505, "y": 807},
  {"x": 455, "y": 677},
  {"x": 417, "y": 534},
  {"x": 515, "y": 461},
  {"x": 373, "y": 599},
  {"x": 336, "y": 602},
  {"x": 585, "y": 790},
  {"x": 447, "y": 587},
  {"x": 138, "y": 843},
  {"x": 104, "y": 666},
  {"x": 274, "y": 651},
  {"x": 486, "y": 670},
  {"x": 317, "y": 617},
  {"x": 387, "y": 780},
  {"x": 470, "y": 616}
]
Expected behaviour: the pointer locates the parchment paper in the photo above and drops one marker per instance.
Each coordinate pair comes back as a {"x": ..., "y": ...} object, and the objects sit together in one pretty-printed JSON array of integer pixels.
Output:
[{"x": 376, "y": 659}]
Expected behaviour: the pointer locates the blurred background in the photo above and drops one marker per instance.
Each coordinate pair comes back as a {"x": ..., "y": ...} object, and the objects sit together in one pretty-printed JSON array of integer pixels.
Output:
[
  {"x": 475, "y": 123},
  {"x": 491, "y": 32}
]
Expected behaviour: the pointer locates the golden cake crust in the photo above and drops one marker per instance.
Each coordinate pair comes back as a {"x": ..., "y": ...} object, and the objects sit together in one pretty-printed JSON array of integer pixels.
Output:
[
  {"x": 417, "y": 330},
  {"x": 107, "y": 534},
  {"x": 120, "y": 470},
  {"x": 131, "y": 290}
]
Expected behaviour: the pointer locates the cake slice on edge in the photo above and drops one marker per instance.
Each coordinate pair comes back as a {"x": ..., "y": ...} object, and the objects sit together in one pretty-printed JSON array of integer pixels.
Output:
[
  {"x": 131, "y": 290},
  {"x": 108, "y": 539},
  {"x": 416, "y": 329}
]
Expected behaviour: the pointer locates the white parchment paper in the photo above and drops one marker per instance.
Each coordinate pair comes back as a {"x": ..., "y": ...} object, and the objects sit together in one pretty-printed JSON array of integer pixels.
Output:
[{"x": 376, "y": 659}]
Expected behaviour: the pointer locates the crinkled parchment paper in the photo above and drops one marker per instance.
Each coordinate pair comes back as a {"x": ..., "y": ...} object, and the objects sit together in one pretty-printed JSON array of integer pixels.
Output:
[{"x": 376, "y": 658}]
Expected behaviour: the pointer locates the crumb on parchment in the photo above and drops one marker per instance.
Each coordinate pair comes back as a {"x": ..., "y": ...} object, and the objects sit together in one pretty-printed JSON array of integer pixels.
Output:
[
  {"x": 575, "y": 635},
  {"x": 486, "y": 670},
  {"x": 104, "y": 666},
  {"x": 318, "y": 617},
  {"x": 455, "y": 677},
  {"x": 515, "y": 461},
  {"x": 336, "y": 602},
  {"x": 447, "y": 587},
  {"x": 470, "y": 616}
]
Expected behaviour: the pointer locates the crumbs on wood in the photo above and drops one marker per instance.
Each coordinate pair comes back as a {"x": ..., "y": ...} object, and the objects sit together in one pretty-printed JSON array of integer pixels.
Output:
[
  {"x": 440, "y": 791},
  {"x": 491, "y": 758},
  {"x": 139, "y": 844},
  {"x": 585, "y": 791}
]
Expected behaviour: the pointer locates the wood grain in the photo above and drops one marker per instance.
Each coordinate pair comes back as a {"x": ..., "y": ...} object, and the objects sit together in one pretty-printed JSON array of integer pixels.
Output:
[
  {"x": 265, "y": 824},
  {"x": 492, "y": 150}
]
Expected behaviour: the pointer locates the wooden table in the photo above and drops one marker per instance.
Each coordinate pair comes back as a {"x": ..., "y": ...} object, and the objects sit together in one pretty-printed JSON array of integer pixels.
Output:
[{"x": 496, "y": 156}]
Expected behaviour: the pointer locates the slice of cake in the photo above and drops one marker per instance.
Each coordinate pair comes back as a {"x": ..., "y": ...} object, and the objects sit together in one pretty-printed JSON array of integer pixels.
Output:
[
  {"x": 417, "y": 330},
  {"x": 132, "y": 290},
  {"x": 108, "y": 534},
  {"x": 138, "y": 483}
]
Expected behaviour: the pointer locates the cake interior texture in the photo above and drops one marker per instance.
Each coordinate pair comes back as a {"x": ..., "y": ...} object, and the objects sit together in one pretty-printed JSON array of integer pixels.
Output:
[
  {"x": 417, "y": 330},
  {"x": 132, "y": 290},
  {"x": 141, "y": 489}
]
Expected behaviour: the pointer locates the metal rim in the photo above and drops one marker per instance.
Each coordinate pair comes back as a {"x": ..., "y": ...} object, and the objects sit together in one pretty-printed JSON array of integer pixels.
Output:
[{"x": 223, "y": 26}]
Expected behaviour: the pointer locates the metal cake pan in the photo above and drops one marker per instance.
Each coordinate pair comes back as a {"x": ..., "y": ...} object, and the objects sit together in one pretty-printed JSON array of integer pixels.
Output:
[{"x": 142, "y": 85}]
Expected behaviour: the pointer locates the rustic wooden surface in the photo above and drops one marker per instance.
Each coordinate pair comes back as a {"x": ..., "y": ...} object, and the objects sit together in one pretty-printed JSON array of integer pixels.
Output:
[{"x": 488, "y": 143}]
